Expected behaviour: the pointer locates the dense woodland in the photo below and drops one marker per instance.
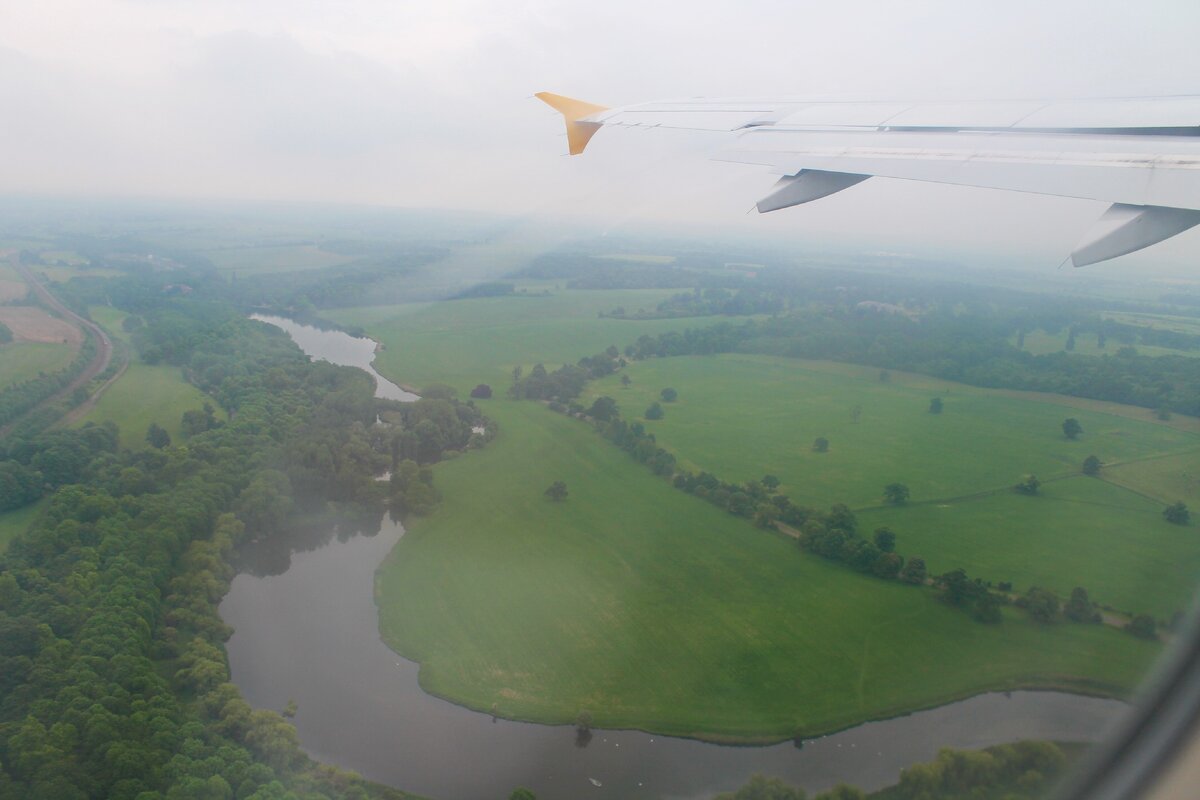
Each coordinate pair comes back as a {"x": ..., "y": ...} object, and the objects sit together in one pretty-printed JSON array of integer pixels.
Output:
[{"x": 113, "y": 680}]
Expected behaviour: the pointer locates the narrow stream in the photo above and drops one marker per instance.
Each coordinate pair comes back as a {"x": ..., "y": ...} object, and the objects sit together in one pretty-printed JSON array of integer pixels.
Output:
[{"x": 307, "y": 630}]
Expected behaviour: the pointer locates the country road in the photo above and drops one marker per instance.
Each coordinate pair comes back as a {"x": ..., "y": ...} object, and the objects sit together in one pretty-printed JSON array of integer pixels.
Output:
[{"x": 104, "y": 348}]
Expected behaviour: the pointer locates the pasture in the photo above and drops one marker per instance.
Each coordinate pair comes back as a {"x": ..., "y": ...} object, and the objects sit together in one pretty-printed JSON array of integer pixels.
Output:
[
  {"x": 652, "y": 609},
  {"x": 13, "y": 523},
  {"x": 20, "y": 361},
  {"x": 1086, "y": 344},
  {"x": 742, "y": 417},
  {"x": 146, "y": 394},
  {"x": 1079, "y": 531},
  {"x": 480, "y": 340}
]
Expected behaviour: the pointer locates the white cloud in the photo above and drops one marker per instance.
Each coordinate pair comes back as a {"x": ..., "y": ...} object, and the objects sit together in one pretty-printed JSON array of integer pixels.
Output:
[{"x": 428, "y": 103}]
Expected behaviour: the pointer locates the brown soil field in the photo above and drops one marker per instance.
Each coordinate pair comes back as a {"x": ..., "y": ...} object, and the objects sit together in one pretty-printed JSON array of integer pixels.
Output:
[
  {"x": 32, "y": 324},
  {"x": 12, "y": 290}
]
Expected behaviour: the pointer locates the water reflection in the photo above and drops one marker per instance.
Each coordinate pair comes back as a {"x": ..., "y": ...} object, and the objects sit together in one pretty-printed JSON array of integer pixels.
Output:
[{"x": 338, "y": 347}]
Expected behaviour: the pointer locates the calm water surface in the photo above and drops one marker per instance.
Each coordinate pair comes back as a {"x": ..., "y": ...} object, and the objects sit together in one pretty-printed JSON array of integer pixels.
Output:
[{"x": 307, "y": 630}]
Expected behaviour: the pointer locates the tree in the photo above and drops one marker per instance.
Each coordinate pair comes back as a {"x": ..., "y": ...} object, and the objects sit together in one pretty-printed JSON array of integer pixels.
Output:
[
  {"x": 1041, "y": 604},
  {"x": 914, "y": 571},
  {"x": 955, "y": 587},
  {"x": 583, "y": 728},
  {"x": 887, "y": 566},
  {"x": 935, "y": 405},
  {"x": 896, "y": 493},
  {"x": 885, "y": 376},
  {"x": 668, "y": 395},
  {"x": 820, "y": 445},
  {"x": 626, "y": 380},
  {"x": 521, "y": 793},
  {"x": 987, "y": 609},
  {"x": 157, "y": 436},
  {"x": 557, "y": 491},
  {"x": 1091, "y": 466},
  {"x": 1071, "y": 428},
  {"x": 1029, "y": 485},
  {"x": 1079, "y": 608},
  {"x": 770, "y": 482},
  {"x": 603, "y": 409},
  {"x": 1177, "y": 513},
  {"x": 482, "y": 391},
  {"x": 1143, "y": 627},
  {"x": 885, "y": 540},
  {"x": 655, "y": 411}
]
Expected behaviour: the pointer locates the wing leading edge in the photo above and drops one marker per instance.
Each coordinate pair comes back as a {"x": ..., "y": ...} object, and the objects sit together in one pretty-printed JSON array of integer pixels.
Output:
[{"x": 1140, "y": 154}]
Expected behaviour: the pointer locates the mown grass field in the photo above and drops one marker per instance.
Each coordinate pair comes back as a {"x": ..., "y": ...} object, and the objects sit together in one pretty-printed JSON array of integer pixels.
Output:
[
  {"x": 146, "y": 394},
  {"x": 745, "y": 416},
  {"x": 1041, "y": 343},
  {"x": 20, "y": 361},
  {"x": 111, "y": 320},
  {"x": 466, "y": 342},
  {"x": 653, "y": 609},
  {"x": 1079, "y": 531},
  {"x": 15, "y": 522},
  {"x": 1165, "y": 479}
]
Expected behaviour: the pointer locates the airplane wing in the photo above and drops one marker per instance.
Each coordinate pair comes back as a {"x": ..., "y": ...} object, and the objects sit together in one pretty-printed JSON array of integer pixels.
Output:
[{"x": 1140, "y": 154}]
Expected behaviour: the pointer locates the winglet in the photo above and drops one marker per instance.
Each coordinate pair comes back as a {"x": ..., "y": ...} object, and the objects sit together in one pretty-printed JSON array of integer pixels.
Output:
[{"x": 578, "y": 133}]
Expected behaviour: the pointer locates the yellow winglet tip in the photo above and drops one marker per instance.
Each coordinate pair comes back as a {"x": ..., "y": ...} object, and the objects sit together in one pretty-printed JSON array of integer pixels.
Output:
[{"x": 578, "y": 133}]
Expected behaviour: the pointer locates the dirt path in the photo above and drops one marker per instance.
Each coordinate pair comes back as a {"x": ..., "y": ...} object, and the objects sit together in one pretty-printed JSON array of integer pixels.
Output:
[{"x": 104, "y": 346}]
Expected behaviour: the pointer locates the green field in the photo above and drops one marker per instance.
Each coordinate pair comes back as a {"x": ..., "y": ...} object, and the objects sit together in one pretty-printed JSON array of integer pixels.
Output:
[
  {"x": 20, "y": 361},
  {"x": 1078, "y": 532},
  {"x": 1165, "y": 479},
  {"x": 1041, "y": 343},
  {"x": 110, "y": 319},
  {"x": 1167, "y": 322},
  {"x": 465, "y": 342},
  {"x": 15, "y": 522},
  {"x": 652, "y": 609},
  {"x": 146, "y": 394},
  {"x": 745, "y": 416}
]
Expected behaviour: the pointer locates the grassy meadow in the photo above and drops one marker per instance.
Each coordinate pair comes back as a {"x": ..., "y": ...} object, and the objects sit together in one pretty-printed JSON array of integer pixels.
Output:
[
  {"x": 745, "y": 416},
  {"x": 1041, "y": 343},
  {"x": 653, "y": 609},
  {"x": 146, "y": 394},
  {"x": 20, "y": 361},
  {"x": 15, "y": 522},
  {"x": 480, "y": 340},
  {"x": 1079, "y": 531}
]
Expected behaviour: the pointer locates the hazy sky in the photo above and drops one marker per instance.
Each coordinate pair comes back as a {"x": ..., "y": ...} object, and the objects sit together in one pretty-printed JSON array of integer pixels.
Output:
[{"x": 429, "y": 103}]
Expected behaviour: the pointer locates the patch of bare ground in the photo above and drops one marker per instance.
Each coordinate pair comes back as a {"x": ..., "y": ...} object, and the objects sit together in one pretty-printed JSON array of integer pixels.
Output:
[{"x": 33, "y": 324}]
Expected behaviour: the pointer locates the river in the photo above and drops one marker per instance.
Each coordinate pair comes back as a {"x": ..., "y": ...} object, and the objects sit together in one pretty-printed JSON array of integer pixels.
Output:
[{"x": 309, "y": 633}]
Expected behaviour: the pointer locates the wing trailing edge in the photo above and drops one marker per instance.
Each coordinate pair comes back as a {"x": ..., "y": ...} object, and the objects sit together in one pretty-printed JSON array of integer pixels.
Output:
[{"x": 1142, "y": 155}]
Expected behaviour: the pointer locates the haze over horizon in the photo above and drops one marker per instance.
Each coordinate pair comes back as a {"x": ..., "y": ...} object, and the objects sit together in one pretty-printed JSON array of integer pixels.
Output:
[{"x": 430, "y": 106}]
